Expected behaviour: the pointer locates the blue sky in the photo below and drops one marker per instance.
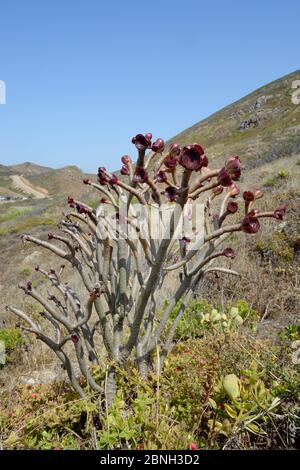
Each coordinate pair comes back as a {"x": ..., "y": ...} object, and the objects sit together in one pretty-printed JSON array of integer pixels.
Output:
[{"x": 84, "y": 76}]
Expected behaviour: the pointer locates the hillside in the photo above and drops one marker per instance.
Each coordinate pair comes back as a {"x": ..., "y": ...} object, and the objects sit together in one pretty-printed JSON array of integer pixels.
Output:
[
  {"x": 28, "y": 169},
  {"x": 31, "y": 181},
  {"x": 260, "y": 127},
  {"x": 5, "y": 171},
  {"x": 65, "y": 180}
]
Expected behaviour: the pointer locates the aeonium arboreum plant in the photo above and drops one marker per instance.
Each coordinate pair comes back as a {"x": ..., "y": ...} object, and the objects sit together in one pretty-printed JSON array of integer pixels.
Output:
[{"x": 140, "y": 245}]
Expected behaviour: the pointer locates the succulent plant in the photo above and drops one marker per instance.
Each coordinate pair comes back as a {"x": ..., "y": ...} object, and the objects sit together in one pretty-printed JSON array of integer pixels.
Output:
[
  {"x": 231, "y": 386},
  {"x": 123, "y": 255}
]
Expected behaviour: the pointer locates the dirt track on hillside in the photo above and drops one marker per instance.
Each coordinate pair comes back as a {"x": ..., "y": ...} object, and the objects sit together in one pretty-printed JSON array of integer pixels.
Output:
[{"x": 21, "y": 183}]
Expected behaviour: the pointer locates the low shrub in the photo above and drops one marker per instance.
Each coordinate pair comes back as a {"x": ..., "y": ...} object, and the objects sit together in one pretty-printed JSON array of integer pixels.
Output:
[
  {"x": 12, "y": 214},
  {"x": 218, "y": 391},
  {"x": 201, "y": 315},
  {"x": 12, "y": 339}
]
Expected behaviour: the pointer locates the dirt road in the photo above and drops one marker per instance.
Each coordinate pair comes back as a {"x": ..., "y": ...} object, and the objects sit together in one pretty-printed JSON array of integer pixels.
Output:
[{"x": 21, "y": 183}]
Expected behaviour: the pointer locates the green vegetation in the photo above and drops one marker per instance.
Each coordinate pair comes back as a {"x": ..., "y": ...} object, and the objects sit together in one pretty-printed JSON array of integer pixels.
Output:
[
  {"x": 283, "y": 174},
  {"x": 201, "y": 316},
  {"x": 12, "y": 339},
  {"x": 278, "y": 247},
  {"x": 276, "y": 180},
  {"x": 292, "y": 332},
  {"x": 27, "y": 225},
  {"x": 221, "y": 388},
  {"x": 37, "y": 282},
  {"x": 270, "y": 182},
  {"x": 25, "y": 272},
  {"x": 244, "y": 401},
  {"x": 12, "y": 214},
  {"x": 94, "y": 203}
]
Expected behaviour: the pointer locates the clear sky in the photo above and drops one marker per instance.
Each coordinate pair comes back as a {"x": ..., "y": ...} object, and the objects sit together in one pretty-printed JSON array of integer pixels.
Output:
[{"x": 84, "y": 76}]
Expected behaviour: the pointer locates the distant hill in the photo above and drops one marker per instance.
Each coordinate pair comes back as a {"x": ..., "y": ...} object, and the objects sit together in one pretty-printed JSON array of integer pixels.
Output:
[
  {"x": 28, "y": 169},
  {"x": 60, "y": 182},
  {"x": 66, "y": 180},
  {"x": 5, "y": 171}
]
